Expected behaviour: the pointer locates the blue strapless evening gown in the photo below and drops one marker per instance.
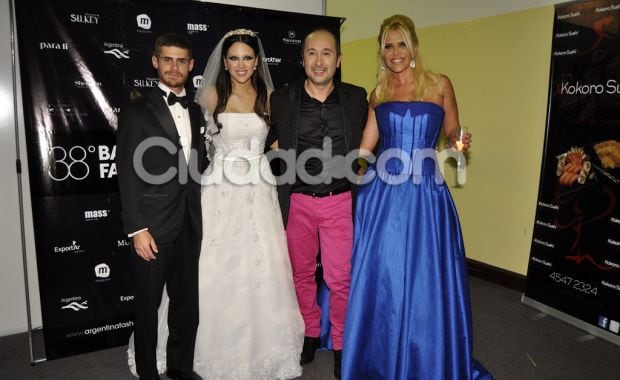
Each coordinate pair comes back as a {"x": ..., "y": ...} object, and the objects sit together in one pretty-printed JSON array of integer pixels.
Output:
[{"x": 408, "y": 315}]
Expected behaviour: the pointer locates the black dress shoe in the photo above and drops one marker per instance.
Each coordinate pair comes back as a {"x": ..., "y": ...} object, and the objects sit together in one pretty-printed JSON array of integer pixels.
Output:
[
  {"x": 310, "y": 347},
  {"x": 337, "y": 363},
  {"x": 182, "y": 375}
]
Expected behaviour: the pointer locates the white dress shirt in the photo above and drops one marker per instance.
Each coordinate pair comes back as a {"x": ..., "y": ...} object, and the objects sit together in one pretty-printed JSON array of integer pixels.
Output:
[{"x": 181, "y": 121}]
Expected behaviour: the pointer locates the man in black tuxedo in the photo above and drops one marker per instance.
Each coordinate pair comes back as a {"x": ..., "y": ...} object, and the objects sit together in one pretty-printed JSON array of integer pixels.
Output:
[
  {"x": 160, "y": 141},
  {"x": 303, "y": 116}
]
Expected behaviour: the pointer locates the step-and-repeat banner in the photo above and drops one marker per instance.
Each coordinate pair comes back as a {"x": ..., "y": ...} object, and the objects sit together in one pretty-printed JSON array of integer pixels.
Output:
[
  {"x": 574, "y": 263},
  {"x": 79, "y": 61}
]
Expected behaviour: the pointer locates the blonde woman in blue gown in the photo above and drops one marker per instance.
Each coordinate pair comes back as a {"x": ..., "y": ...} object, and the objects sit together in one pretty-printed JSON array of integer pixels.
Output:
[{"x": 408, "y": 315}]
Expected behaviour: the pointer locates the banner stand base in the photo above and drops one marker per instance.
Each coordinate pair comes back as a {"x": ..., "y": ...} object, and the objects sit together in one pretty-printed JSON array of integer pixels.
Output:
[
  {"x": 37, "y": 346},
  {"x": 590, "y": 329}
]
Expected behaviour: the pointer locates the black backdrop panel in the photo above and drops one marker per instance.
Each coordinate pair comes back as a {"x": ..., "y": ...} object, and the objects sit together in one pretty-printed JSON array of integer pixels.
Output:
[{"x": 80, "y": 60}]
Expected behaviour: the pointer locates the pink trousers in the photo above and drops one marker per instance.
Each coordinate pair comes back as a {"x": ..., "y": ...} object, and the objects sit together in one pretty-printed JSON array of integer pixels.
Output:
[{"x": 324, "y": 223}]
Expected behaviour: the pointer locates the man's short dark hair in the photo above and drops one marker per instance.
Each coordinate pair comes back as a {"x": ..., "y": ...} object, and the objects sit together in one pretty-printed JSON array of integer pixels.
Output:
[
  {"x": 172, "y": 39},
  {"x": 321, "y": 29}
]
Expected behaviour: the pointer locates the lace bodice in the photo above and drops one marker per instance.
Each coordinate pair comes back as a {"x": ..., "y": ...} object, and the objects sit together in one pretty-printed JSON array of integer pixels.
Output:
[
  {"x": 242, "y": 135},
  {"x": 236, "y": 151}
]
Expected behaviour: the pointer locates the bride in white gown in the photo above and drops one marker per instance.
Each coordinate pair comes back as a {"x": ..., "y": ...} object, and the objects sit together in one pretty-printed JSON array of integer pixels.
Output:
[{"x": 250, "y": 326}]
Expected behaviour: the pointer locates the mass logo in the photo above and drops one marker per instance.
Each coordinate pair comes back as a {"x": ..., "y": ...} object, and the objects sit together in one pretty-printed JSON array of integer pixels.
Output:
[
  {"x": 197, "y": 28},
  {"x": 92, "y": 215}
]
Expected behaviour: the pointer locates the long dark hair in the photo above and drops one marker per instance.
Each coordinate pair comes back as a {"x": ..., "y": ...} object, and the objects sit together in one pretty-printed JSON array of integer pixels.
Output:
[{"x": 223, "y": 84}]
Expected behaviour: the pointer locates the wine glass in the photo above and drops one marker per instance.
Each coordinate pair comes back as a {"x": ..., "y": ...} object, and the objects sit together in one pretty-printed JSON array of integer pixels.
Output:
[
  {"x": 461, "y": 160},
  {"x": 460, "y": 133}
]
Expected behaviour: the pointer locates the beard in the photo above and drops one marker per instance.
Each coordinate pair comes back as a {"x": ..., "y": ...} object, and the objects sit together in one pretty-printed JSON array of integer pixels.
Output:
[{"x": 171, "y": 81}]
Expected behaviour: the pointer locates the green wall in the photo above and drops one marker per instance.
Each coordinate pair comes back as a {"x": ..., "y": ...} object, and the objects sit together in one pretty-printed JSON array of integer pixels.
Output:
[{"x": 499, "y": 67}]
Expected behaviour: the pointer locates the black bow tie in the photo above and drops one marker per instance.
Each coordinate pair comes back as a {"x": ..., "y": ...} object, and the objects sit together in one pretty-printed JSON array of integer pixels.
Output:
[{"x": 173, "y": 98}]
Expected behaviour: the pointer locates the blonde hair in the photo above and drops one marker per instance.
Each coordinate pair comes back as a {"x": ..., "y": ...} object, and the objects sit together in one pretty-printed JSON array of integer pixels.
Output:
[{"x": 424, "y": 78}]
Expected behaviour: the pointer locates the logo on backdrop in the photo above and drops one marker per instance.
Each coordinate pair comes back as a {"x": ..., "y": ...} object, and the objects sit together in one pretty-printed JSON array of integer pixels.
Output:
[
  {"x": 84, "y": 18},
  {"x": 102, "y": 271},
  {"x": 290, "y": 38},
  {"x": 611, "y": 87},
  {"x": 126, "y": 298},
  {"x": 197, "y": 28},
  {"x": 71, "y": 163},
  {"x": 80, "y": 83},
  {"x": 272, "y": 61},
  {"x": 122, "y": 243},
  {"x": 116, "y": 49},
  {"x": 144, "y": 21},
  {"x": 145, "y": 83},
  {"x": 73, "y": 304},
  {"x": 93, "y": 215},
  {"x": 107, "y": 328},
  {"x": 74, "y": 247},
  {"x": 197, "y": 80},
  {"x": 53, "y": 46}
]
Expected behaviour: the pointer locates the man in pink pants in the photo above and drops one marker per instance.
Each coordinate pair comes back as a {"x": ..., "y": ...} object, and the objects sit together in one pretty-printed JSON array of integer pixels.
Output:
[{"x": 319, "y": 114}]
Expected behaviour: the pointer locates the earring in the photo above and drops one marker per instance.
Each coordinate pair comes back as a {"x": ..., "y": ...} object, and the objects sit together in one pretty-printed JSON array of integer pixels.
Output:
[
  {"x": 254, "y": 67},
  {"x": 225, "y": 68},
  {"x": 382, "y": 66},
  {"x": 412, "y": 64}
]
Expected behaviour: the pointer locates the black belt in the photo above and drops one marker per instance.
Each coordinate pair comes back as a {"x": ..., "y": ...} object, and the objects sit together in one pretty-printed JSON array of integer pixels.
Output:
[{"x": 326, "y": 194}]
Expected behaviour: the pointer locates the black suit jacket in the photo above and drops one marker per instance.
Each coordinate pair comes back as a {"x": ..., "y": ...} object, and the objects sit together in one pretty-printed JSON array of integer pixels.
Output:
[
  {"x": 285, "y": 103},
  {"x": 160, "y": 207}
]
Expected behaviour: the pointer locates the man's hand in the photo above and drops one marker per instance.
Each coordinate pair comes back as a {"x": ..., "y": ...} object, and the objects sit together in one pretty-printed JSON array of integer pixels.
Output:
[{"x": 145, "y": 246}]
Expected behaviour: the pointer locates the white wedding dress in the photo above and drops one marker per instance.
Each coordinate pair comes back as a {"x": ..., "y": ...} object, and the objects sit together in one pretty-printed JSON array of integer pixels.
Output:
[{"x": 250, "y": 325}]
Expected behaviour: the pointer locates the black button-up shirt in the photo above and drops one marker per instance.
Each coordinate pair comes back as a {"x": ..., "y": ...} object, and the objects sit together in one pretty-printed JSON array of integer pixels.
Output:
[{"x": 318, "y": 120}]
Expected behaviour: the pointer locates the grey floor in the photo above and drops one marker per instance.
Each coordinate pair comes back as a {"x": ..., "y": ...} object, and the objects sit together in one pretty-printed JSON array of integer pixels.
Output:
[{"x": 508, "y": 339}]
